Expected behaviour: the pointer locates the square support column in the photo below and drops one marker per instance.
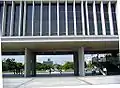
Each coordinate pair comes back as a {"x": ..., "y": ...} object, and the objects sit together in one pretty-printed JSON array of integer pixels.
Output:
[
  {"x": 76, "y": 64},
  {"x": 81, "y": 61},
  {"x": 33, "y": 64},
  {"x": 29, "y": 63}
]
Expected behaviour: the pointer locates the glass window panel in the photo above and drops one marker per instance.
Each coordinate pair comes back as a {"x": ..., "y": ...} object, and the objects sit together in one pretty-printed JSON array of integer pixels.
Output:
[
  {"x": 78, "y": 19},
  {"x": 1, "y": 13},
  {"x": 91, "y": 19},
  {"x": 53, "y": 19},
  {"x": 22, "y": 16},
  {"x": 113, "y": 6},
  {"x": 99, "y": 26},
  {"x": 45, "y": 19},
  {"x": 99, "y": 23},
  {"x": 85, "y": 19},
  {"x": 28, "y": 31},
  {"x": 106, "y": 16},
  {"x": 37, "y": 20},
  {"x": 115, "y": 28},
  {"x": 114, "y": 16},
  {"x": 16, "y": 20},
  {"x": 62, "y": 29},
  {"x": 70, "y": 19},
  {"x": 8, "y": 18}
]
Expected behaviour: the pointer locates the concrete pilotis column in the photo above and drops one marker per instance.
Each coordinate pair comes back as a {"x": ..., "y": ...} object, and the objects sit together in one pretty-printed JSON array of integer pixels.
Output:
[
  {"x": 81, "y": 61},
  {"x": 76, "y": 64},
  {"x": 30, "y": 60},
  {"x": 33, "y": 64},
  {"x": 27, "y": 65}
]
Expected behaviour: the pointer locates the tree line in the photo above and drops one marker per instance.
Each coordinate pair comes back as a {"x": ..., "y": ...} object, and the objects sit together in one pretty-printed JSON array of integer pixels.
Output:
[
  {"x": 66, "y": 66},
  {"x": 11, "y": 65}
]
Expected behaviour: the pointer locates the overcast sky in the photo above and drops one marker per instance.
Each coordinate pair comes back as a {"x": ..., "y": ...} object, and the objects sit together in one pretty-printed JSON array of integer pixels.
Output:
[{"x": 58, "y": 59}]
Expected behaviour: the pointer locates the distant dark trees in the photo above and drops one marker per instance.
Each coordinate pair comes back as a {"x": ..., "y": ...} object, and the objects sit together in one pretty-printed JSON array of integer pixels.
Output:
[
  {"x": 11, "y": 66},
  {"x": 41, "y": 66},
  {"x": 66, "y": 66}
]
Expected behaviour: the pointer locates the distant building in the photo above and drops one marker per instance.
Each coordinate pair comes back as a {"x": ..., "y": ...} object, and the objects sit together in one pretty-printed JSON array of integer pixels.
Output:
[{"x": 48, "y": 62}]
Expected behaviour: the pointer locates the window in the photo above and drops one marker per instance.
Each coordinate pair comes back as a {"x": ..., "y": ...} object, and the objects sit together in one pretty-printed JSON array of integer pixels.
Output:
[
  {"x": 8, "y": 19},
  {"x": 106, "y": 16},
  {"x": 37, "y": 10},
  {"x": 70, "y": 19},
  {"x": 45, "y": 19},
  {"x": 99, "y": 23},
  {"x": 62, "y": 23},
  {"x": 78, "y": 19},
  {"x": 16, "y": 20},
  {"x": 53, "y": 19},
  {"x": 1, "y": 14},
  {"x": 22, "y": 16},
  {"x": 114, "y": 19},
  {"x": 91, "y": 19},
  {"x": 28, "y": 31},
  {"x": 85, "y": 19}
]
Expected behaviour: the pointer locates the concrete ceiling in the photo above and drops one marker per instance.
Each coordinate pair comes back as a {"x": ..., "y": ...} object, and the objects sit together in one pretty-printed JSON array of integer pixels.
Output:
[{"x": 58, "y": 46}]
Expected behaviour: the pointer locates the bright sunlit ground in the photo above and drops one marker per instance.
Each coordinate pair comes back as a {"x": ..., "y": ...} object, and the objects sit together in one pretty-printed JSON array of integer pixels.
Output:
[{"x": 60, "y": 82}]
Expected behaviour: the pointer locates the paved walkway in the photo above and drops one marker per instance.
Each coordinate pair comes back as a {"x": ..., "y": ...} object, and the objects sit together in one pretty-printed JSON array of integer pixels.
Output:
[{"x": 38, "y": 82}]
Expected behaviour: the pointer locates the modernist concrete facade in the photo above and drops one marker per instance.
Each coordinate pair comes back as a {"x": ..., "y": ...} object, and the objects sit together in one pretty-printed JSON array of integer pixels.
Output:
[{"x": 59, "y": 27}]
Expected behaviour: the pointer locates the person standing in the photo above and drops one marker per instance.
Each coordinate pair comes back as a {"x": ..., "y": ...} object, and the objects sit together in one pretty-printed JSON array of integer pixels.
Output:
[{"x": 50, "y": 71}]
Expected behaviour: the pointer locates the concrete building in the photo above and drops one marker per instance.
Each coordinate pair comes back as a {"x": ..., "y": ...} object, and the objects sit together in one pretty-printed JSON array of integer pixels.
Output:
[
  {"x": 43, "y": 27},
  {"x": 48, "y": 62}
]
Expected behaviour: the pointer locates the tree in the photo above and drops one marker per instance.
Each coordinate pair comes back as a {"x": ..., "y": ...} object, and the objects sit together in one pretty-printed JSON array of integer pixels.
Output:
[
  {"x": 68, "y": 65},
  {"x": 20, "y": 65},
  {"x": 90, "y": 65},
  {"x": 57, "y": 66},
  {"x": 10, "y": 65},
  {"x": 39, "y": 66}
]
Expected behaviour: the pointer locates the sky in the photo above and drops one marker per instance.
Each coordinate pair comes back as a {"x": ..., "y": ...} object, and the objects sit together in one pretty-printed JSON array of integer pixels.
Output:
[{"x": 57, "y": 59}]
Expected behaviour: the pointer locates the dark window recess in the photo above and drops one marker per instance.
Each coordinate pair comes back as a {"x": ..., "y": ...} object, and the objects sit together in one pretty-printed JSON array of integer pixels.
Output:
[
  {"x": 99, "y": 23},
  {"x": 37, "y": 10},
  {"x": 45, "y": 19},
  {"x": 91, "y": 19},
  {"x": 28, "y": 31},
  {"x": 106, "y": 16},
  {"x": 16, "y": 20},
  {"x": 53, "y": 19},
  {"x": 70, "y": 19},
  {"x": 62, "y": 29},
  {"x": 78, "y": 19}
]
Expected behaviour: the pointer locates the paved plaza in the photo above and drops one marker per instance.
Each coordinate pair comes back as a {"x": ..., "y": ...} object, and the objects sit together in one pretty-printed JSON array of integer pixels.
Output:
[{"x": 60, "y": 81}]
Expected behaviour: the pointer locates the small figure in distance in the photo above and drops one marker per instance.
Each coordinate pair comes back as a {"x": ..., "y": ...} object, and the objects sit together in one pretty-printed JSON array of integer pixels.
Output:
[
  {"x": 60, "y": 71},
  {"x": 105, "y": 70},
  {"x": 50, "y": 71}
]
